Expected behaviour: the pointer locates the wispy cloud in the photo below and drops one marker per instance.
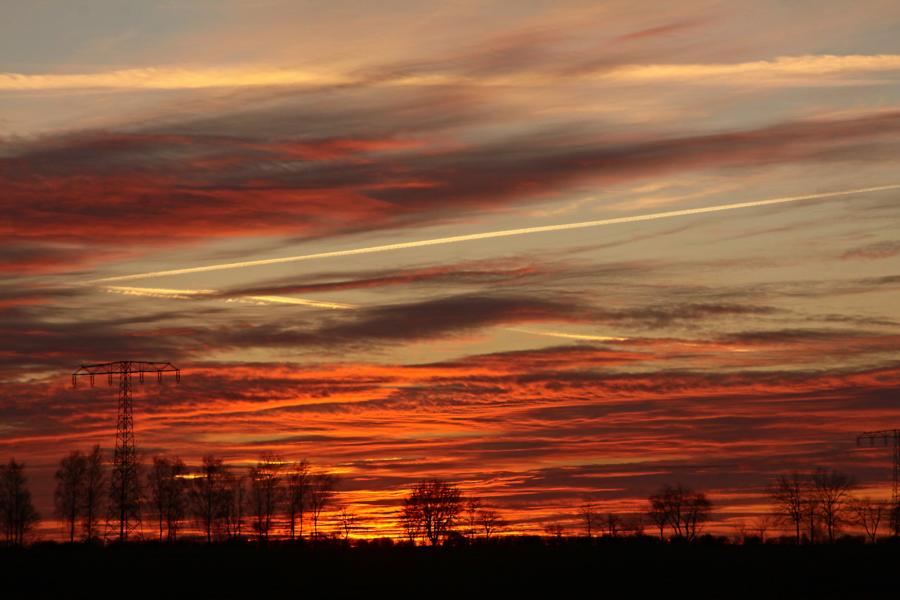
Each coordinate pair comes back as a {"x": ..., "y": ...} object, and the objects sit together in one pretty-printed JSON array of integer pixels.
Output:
[
  {"x": 496, "y": 234},
  {"x": 462, "y": 70}
]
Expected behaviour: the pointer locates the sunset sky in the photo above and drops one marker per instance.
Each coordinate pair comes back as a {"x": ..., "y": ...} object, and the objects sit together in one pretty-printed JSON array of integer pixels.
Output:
[{"x": 537, "y": 370}]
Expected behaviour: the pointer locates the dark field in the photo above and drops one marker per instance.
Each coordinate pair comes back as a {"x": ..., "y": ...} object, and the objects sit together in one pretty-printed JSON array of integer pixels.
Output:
[{"x": 524, "y": 567}]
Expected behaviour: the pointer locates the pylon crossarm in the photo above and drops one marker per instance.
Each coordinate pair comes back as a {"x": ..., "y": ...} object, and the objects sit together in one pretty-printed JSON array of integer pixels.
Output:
[
  {"x": 128, "y": 368},
  {"x": 882, "y": 434}
]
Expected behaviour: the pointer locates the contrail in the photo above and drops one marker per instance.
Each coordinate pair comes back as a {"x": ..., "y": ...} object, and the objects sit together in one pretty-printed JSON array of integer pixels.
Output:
[
  {"x": 494, "y": 234},
  {"x": 570, "y": 336},
  {"x": 182, "y": 294}
]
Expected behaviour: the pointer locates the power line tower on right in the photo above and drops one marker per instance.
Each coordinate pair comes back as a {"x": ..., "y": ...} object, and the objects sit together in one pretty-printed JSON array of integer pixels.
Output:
[{"x": 888, "y": 437}]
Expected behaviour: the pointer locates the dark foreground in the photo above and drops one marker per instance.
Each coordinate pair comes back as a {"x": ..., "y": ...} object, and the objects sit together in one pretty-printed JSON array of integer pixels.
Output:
[{"x": 509, "y": 568}]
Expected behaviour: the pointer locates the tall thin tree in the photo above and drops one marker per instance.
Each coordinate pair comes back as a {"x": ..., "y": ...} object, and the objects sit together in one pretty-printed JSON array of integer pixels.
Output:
[
  {"x": 321, "y": 494},
  {"x": 95, "y": 481},
  {"x": 206, "y": 495},
  {"x": 266, "y": 493},
  {"x": 789, "y": 498},
  {"x": 17, "y": 514},
  {"x": 298, "y": 482},
  {"x": 832, "y": 490},
  {"x": 68, "y": 498}
]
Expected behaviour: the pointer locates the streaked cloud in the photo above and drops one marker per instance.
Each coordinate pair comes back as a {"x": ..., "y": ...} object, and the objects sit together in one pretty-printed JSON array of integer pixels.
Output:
[
  {"x": 782, "y": 69},
  {"x": 497, "y": 234}
]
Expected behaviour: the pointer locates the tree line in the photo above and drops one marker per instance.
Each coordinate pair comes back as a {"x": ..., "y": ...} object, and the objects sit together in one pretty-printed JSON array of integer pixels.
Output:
[
  {"x": 814, "y": 507},
  {"x": 818, "y": 504},
  {"x": 221, "y": 502}
]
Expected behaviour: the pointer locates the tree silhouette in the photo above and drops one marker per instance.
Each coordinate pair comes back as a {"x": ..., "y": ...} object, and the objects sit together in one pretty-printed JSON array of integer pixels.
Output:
[
  {"x": 659, "y": 516},
  {"x": 167, "y": 488},
  {"x": 832, "y": 491},
  {"x": 555, "y": 530},
  {"x": 811, "y": 516},
  {"x": 682, "y": 509},
  {"x": 411, "y": 520},
  {"x": 68, "y": 498},
  {"x": 233, "y": 502},
  {"x": 491, "y": 522},
  {"x": 265, "y": 493},
  {"x": 869, "y": 514},
  {"x": 613, "y": 524},
  {"x": 760, "y": 526},
  {"x": 298, "y": 482},
  {"x": 435, "y": 506},
  {"x": 348, "y": 522},
  {"x": 321, "y": 494},
  {"x": 94, "y": 491},
  {"x": 790, "y": 497},
  {"x": 157, "y": 481},
  {"x": 588, "y": 513},
  {"x": 473, "y": 505},
  {"x": 17, "y": 514},
  {"x": 207, "y": 494}
]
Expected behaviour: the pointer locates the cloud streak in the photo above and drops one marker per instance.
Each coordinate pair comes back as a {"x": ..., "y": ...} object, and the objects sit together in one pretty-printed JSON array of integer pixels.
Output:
[
  {"x": 496, "y": 234},
  {"x": 457, "y": 71}
]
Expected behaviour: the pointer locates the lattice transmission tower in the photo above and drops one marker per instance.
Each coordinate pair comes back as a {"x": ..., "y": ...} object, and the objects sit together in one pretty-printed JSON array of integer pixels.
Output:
[
  {"x": 888, "y": 437},
  {"x": 124, "y": 482}
]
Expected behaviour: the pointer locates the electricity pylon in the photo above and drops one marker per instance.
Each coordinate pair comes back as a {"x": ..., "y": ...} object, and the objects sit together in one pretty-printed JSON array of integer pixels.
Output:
[
  {"x": 124, "y": 481},
  {"x": 888, "y": 436}
]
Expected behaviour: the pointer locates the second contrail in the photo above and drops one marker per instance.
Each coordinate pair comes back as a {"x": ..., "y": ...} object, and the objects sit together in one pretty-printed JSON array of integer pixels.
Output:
[{"x": 494, "y": 234}]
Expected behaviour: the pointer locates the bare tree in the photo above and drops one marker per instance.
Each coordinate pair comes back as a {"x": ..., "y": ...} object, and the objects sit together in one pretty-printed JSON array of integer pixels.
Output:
[
  {"x": 207, "y": 494},
  {"x": 167, "y": 486},
  {"x": 658, "y": 515},
  {"x": 68, "y": 498},
  {"x": 613, "y": 524},
  {"x": 869, "y": 514},
  {"x": 473, "y": 505},
  {"x": 17, "y": 514},
  {"x": 832, "y": 491},
  {"x": 234, "y": 500},
  {"x": 298, "y": 483},
  {"x": 176, "y": 499},
  {"x": 812, "y": 516},
  {"x": 760, "y": 526},
  {"x": 436, "y": 504},
  {"x": 756, "y": 527},
  {"x": 588, "y": 513},
  {"x": 94, "y": 491},
  {"x": 790, "y": 498},
  {"x": 158, "y": 481},
  {"x": 683, "y": 509},
  {"x": 265, "y": 493},
  {"x": 348, "y": 522},
  {"x": 411, "y": 520},
  {"x": 491, "y": 522},
  {"x": 555, "y": 530},
  {"x": 321, "y": 494}
]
